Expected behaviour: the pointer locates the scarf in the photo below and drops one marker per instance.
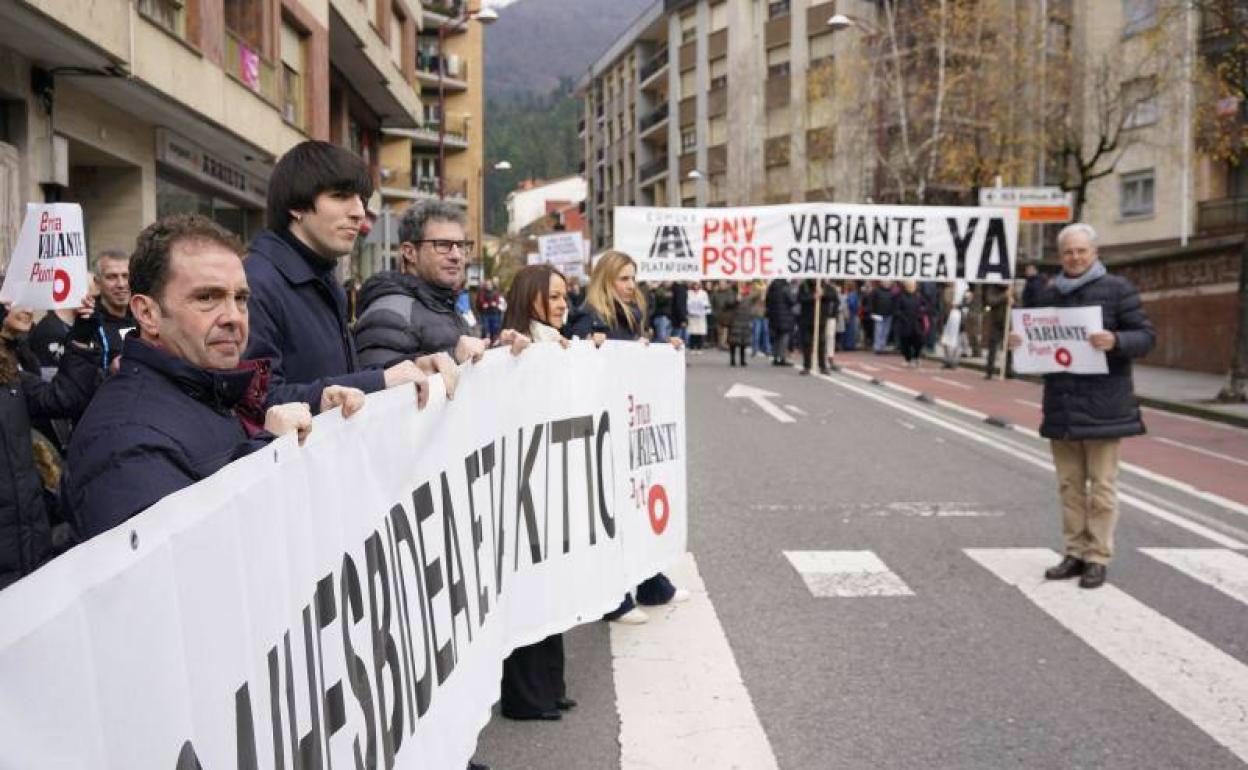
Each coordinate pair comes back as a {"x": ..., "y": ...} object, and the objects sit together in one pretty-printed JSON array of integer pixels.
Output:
[{"x": 1067, "y": 285}]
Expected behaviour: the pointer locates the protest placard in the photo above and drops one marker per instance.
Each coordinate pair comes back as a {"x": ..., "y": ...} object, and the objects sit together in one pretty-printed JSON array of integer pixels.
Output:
[
  {"x": 811, "y": 240},
  {"x": 48, "y": 269},
  {"x": 1056, "y": 339},
  {"x": 561, "y": 248}
]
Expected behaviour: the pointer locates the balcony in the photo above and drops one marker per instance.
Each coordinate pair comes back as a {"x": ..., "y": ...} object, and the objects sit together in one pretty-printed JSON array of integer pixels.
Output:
[
  {"x": 1222, "y": 215},
  {"x": 248, "y": 67},
  {"x": 652, "y": 169},
  {"x": 653, "y": 119},
  {"x": 652, "y": 67},
  {"x": 438, "y": 12},
  {"x": 425, "y": 135},
  {"x": 401, "y": 184},
  {"x": 454, "y": 71}
]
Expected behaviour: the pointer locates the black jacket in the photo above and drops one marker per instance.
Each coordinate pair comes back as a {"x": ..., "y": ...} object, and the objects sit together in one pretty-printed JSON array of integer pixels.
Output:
[
  {"x": 48, "y": 340},
  {"x": 680, "y": 305},
  {"x": 158, "y": 425},
  {"x": 299, "y": 323},
  {"x": 25, "y": 531},
  {"x": 881, "y": 302},
  {"x": 780, "y": 306},
  {"x": 909, "y": 310},
  {"x": 403, "y": 316},
  {"x": 829, "y": 304},
  {"x": 584, "y": 322},
  {"x": 1099, "y": 406}
]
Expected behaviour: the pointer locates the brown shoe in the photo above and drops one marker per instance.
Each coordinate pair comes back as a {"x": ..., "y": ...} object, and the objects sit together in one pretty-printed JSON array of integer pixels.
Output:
[
  {"x": 1093, "y": 576},
  {"x": 1068, "y": 568}
]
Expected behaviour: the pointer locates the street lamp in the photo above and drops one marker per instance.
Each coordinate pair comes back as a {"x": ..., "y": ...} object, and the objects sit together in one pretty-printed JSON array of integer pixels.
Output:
[
  {"x": 503, "y": 165},
  {"x": 483, "y": 16},
  {"x": 840, "y": 21},
  {"x": 695, "y": 175}
]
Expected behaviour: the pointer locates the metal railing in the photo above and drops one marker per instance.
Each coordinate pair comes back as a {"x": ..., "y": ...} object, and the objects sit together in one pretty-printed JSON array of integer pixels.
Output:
[
  {"x": 653, "y": 119},
  {"x": 1222, "y": 215},
  {"x": 656, "y": 63},
  {"x": 651, "y": 169},
  {"x": 427, "y": 62}
]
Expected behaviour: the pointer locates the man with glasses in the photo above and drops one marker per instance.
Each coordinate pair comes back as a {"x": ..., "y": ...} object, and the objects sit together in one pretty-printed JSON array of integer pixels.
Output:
[{"x": 412, "y": 312}]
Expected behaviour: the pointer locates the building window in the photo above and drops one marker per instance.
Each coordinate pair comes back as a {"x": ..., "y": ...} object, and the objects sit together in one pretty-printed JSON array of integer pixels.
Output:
[
  {"x": 780, "y": 70},
  {"x": 1137, "y": 194},
  {"x": 719, "y": 82},
  {"x": 1140, "y": 15},
  {"x": 294, "y": 86},
  {"x": 1139, "y": 99},
  {"x": 778, "y": 8},
  {"x": 169, "y": 14},
  {"x": 245, "y": 20},
  {"x": 397, "y": 23},
  {"x": 688, "y": 139}
]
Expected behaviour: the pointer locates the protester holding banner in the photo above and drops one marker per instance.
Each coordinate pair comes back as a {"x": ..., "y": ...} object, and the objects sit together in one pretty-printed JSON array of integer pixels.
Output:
[
  {"x": 829, "y": 305},
  {"x": 298, "y": 310},
  {"x": 183, "y": 404},
  {"x": 25, "y": 517},
  {"x": 533, "y": 683},
  {"x": 614, "y": 309},
  {"x": 1087, "y": 416}
]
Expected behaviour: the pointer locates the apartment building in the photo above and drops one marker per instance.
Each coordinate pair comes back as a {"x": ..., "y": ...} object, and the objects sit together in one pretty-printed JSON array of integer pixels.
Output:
[
  {"x": 138, "y": 108},
  {"x": 1169, "y": 216},
  {"x": 719, "y": 102}
]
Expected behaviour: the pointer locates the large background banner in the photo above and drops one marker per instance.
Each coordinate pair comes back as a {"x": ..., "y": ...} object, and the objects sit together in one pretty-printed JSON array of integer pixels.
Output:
[
  {"x": 349, "y": 603},
  {"x": 814, "y": 240}
]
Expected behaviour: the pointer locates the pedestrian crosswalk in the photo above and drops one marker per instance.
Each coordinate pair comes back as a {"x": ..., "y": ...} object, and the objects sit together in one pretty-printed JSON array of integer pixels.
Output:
[{"x": 1197, "y": 679}]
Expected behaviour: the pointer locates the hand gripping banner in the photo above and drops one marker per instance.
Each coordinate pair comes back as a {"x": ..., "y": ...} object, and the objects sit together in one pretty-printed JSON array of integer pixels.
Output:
[
  {"x": 349, "y": 603},
  {"x": 820, "y": 240}
]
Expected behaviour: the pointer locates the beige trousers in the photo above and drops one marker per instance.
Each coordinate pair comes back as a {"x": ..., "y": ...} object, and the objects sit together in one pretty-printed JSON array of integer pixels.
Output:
[{"x": 1087, "y": 480}]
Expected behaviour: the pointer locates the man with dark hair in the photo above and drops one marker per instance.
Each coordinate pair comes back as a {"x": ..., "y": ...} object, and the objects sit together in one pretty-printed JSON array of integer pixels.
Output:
[
  {"x": 183, "y": 403},
  {"x": 299, "y": 318},
  {"x": 412, "y": 312}
]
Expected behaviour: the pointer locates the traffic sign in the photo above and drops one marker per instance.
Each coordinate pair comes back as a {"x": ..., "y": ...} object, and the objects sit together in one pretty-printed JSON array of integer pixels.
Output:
[{"x": 1036, "y": 205}]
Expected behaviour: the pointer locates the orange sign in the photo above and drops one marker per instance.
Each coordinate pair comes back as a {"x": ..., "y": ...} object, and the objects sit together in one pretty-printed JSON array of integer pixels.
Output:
[{"x": 1044, "y": 214}]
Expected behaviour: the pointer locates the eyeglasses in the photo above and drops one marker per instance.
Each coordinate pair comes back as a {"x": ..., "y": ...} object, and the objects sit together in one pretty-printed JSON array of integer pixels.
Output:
[{"x": 445, "y": 247}]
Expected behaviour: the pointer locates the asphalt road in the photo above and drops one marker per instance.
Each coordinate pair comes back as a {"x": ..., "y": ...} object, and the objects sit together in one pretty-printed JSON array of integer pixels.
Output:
[{"x": 946, "y": 650}]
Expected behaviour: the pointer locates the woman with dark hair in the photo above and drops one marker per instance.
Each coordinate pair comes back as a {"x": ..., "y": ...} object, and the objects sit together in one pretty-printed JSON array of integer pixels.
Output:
[
  {"x": 614, "y": 309},
  {"x": 533, "y": 682}
]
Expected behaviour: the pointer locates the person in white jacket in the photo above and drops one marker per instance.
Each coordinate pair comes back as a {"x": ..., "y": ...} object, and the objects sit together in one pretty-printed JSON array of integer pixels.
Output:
[{"x": 699, "y": 305}]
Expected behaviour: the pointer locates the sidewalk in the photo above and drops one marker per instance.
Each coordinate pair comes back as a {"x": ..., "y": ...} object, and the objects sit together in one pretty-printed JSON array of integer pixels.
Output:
[{"x": 1173, "y": 390}]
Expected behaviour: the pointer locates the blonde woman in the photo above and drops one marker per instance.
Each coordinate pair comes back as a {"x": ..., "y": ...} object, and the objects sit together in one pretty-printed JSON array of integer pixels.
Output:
[{"x": 614, "y": 309}]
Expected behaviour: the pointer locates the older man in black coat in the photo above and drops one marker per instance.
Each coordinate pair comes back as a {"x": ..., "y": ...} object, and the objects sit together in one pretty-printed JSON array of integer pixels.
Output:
[{"x": 1087, "y": 416}]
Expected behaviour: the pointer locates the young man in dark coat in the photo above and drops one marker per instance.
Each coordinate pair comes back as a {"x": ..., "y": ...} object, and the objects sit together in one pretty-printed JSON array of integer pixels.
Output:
[
  {"x": 411, "y": 313},
  {"x": 1087, "y": 416},
  {"x": 183, "y": 404},
  {"x": 298, "y": 309}
]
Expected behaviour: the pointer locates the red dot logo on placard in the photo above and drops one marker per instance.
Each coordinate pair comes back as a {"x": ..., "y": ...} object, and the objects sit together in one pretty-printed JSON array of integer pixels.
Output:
[
  {"x": 60, "y": 286},
  {"x": 658, "y": 499},
  {"x": 1063, "y": 357}
]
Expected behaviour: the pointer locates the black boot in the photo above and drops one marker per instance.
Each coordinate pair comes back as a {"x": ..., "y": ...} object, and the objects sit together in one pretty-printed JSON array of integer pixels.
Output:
[
  {"x": 1093, "y": 576},
  {"x": 1068, "y": 568}
]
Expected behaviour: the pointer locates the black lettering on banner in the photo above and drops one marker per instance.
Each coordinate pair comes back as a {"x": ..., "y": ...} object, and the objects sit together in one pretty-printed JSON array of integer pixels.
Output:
[
  {"x": 454, "y": 567},
  {"x": 385, "y": 653},
  {"x": 357, "y": 672},
  {"x": 961, "y": 242},
  {"x": 405, "y": 622},
  {"x": 443, "y": 656},
  {"x": 472, "y": 469},
  {"x": 795, "y": 260},
  {"x": 275, "y": 708},
  {"x": 563, "y": 432},
  {"x": 310, "y": 744},
  {"x": 403, "y": 535},
  {"x": 995, "y": 246},
  {"x": 497, "y": 520},
  {"x": 244, "y": 730},
  {"x": 331, "y": 699},
  {"x": 188, "y": 759},
  {"x": 604, "y": 436},
  {"x": 524, "y": 496}
]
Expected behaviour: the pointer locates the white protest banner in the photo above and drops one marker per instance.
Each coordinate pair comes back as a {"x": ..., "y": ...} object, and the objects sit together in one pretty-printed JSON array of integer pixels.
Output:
[
  {"x": 829, "y": 240},
  {"x": 350, "y": 602},
  {"x": 1055, "y": 339},
  {"x": 561, "y": 248},
  {"x": 48, "y": 269}
]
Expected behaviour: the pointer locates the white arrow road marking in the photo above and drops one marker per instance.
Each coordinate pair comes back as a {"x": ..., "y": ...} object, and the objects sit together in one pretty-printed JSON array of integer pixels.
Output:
[
  {"x": 1225, "y": 570},
  {"x": 795, "y": 410},
  {"x": 1193, "y": 677},
  {"x": 846, "y": 573},
  {"x": 759, "y": 397},
  {"x": 679, "y": 692}
]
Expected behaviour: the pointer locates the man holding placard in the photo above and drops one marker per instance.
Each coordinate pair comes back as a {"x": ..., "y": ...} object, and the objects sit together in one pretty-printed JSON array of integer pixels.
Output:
[{"x": 1087, "y": 328}]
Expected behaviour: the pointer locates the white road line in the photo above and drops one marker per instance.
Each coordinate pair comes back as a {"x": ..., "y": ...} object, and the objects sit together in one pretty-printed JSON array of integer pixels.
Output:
[
  {"x": 1179, "y": 486},
  {"x": 906, "y": 425},
  {"x": 867, "y": 367},
  {"x": 1189, "y": 418},
  {"x": 1032, "y": 404},
  {"x": 795, "y": 410},
  {"x": 891, "y": 368},
  {"x": 846, "y": 574},
  {"x": 1226, "y": 571},
  {"x": 1193, "y": 677},
  {"x": 953, "y": 383},
  {"x": 1165, "y": 515},
  {"x": 678, "y": 689},
  {"x": 1199, "y": 450}
]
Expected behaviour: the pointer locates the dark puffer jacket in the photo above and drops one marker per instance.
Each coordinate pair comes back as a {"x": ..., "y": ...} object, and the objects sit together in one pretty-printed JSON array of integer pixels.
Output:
[
  {"x": 403, "y": 316},
  {"x": 780, "y": 306},
  {"x": 25, "y": 531},
  {"x": 586, "y": 322},
  {"x": 1099, "y": 406}
]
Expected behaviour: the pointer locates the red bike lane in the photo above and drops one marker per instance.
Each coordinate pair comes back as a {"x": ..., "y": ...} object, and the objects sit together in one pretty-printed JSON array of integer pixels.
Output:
[{"x": 1209, "y": 456}]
